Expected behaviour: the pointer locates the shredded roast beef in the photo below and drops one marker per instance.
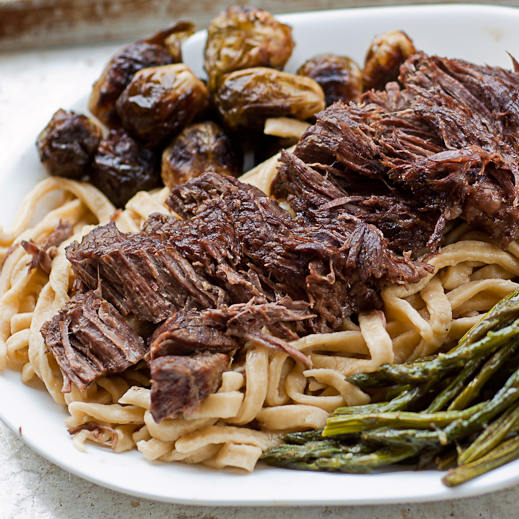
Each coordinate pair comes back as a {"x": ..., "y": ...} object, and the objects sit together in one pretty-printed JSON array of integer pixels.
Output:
[
  {"x": 89, "y": 338},
  {"x": 444, "y": 145},
  {"x": 141, "y": 273},
  {"x": 372, "y": 186},
  {"x": 237, "y": 245},
  {"x": 179, "y": 383},
  {"x": 220, "y": 330},
  {"x": 236, "y": 264},
  {"x": 338, "y": 266},
  {"x": 185, "y": 333}
]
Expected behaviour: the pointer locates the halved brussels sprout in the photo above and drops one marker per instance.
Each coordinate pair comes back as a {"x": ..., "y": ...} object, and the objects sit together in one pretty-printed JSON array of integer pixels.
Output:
[
  {"x": 68, "y": 144},
  {"x": 246, "y": 98},
  {"x": 339, "y": 77},
  {"x": 150, "y": 52},
  {"x": 198, "y": 149},
  {"x": 244, "y": 37},
  {"x": 161, "y": 101},
  {"x": 385, "y": 55}
]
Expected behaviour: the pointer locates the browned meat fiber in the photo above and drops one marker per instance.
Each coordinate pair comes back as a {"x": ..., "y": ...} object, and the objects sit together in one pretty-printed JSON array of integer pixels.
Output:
[
  {"x": 226, "y": 329},
  {"x": 89, "y": 338},
  {"x": 338, "y": 267},
  {"x": 44, "y": 251},
  {"x": 442, "y": 145},
  {"x": 236, "y": 245},
  {"x": 141, "y": 273}
]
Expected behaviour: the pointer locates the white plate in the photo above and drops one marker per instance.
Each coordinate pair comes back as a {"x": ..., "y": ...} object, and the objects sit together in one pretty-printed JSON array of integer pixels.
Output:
[{"x": 482, "y": 34}]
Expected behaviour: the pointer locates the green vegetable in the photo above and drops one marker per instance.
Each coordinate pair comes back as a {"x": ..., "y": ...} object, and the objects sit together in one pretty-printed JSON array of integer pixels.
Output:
[
  {"x": 458, "y": 410},
  {"x": 504, "y": 453}
]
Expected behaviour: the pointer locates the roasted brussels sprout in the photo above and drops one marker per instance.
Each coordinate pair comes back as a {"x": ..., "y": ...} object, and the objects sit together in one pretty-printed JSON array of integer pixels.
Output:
[
  {"x": 122, "y": 167},
  {"x": 198, "y": 149},
  {"x": 339, "y": 77},
  {"x": 246, "y": 98},
  {"x": 67, "y": 144},
  {"x": 245, "y": 37},
  {"x": 174, "y": 41},
  {"x": 385, "y": 55},
  {"x": 150, "y": 52},
  {"x": 161, "y": 101}
]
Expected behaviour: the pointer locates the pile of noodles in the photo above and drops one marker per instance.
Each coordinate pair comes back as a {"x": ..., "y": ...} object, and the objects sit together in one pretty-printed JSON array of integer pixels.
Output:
[{"x": 266, "y": 392}]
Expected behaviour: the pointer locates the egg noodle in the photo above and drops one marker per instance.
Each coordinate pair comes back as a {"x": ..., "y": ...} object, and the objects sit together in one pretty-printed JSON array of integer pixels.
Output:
[{"x": 266, "y": 392}]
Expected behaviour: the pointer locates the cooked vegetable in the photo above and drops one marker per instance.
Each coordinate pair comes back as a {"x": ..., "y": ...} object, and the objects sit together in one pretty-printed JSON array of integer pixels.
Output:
[
  {"x": 243, "y": 37},
  {"x": 174, "y": 40},
  {"x": 161, "y": 101},
  {"x": 200, "y": 148},
  {"x": 67, "y": 144},
  {"x": 385, "y": 55},
  {"x": 150, "y": 52},
  {"x": 485, "y": 435},
  {"x": 246, "y": 98},
  {"x": 506, "y": 452},
  {"x": 122, "y": 167},
  {"x": 339, "y": 77}
]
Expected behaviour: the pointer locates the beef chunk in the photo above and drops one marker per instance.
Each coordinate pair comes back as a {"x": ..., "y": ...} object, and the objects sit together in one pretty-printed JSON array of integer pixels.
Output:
[
  {"x": 236, "y": 246},
  {"x": 191, "y": 349},
  {"x": 344, "y": 135},
  {"x": 209, "y": 243},
  {"x": 226, "y": 329},
  {"x": 186, "y": 332},
  {"x": 488, "y": 92},
  {"x": 179, "y": 384},
  {"x": 140, "y": 273},
  {"x": 89, "y": 338},
  {"x": 317, "y": 199}
]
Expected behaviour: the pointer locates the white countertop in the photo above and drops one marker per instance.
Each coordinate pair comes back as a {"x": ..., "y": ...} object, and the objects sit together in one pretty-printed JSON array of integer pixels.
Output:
[{"x": 30, "y": 486}]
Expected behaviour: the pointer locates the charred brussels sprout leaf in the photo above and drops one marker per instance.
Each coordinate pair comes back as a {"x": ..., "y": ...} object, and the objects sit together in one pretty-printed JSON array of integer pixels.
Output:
[
  {"x": 339, "y": 77},
  {"x": 385, "y": 55},
  {"x": 245, "y": 37},
  {"x": 246, "y": 98},
  {"x": 68, "y": 144},
  {"x": 198, "y": 149},
  {"x": 150, "y": 52},
  {"x": 174, "y": 41},
  {"x": 122, "y": 167},
  {"x": 161, "y": 101}
]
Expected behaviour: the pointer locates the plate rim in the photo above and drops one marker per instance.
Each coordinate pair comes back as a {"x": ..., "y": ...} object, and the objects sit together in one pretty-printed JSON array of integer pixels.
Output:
[{"x": 468, "y": 490}]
